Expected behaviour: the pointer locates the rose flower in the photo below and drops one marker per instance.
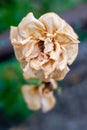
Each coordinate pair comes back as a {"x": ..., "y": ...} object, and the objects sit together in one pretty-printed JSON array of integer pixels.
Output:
[{"x": 44, "y": 47}]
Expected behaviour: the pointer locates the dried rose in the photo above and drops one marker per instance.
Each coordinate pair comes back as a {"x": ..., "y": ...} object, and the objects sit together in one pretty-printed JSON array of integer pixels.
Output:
[
  {"x": 44, "y": 47},
  {"x": 38, "y": 97}
]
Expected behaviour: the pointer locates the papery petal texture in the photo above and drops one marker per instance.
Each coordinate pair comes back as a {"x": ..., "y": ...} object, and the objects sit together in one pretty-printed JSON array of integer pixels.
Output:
[
  {"x": 36, "y": 98},
  {"x": 45, "y": 46}
]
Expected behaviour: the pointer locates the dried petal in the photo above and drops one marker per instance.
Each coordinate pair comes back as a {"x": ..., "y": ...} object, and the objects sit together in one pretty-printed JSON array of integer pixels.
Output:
[
  {"x": 56, "y": 52},
  {"x": 31, "y": 96},
  {"x": 64, "y": 38},
  {"x": 35, "y": 64},
  {"x": 48, "y": 46},
  {"x": 48, "y": 67},
  {"x": 48, "y": 103},
  {"x": 28, "y": 48},
  {"x": 72, "y": 51},
  {"x": 36, "y": 29},
  {"x": 51, "y": 21},
  {"x": 35, "y": 99},
  {"x": 60, "y": 74},
  {"x": 28, "y": 72},
  {"x": 62, "y": 59}
]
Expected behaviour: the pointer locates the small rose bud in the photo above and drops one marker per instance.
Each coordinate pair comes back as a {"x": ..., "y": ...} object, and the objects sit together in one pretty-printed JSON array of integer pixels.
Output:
[{"x": 38, "y": 97}]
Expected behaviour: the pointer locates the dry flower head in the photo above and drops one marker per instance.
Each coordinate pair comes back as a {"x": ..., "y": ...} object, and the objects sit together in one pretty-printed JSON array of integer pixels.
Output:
[{"x": 45, "y": 46}]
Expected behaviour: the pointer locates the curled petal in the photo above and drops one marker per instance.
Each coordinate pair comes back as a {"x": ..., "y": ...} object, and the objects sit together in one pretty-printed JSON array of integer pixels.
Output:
[
  {"x": 48, "y": 103},
  {"x": 29, "y": 48},
  {"x": 52, "y": 22},
  {"x": 35, "y": 52},
  {"x": 64, "y": 38},
  {"x": 47, "y": 98},
  {"x": 23, "y": 25},
  {"x": 43, "y": 58},
  {"x": 72, "y": 51},
  {"x": 36, "y": 29},
  {"x": 16, "y": 39},
  {"x": 67, "y": 29},
  {"x": 28, "y": 72},
  {"x": 48, "y": 46},
  {"x": 62, "y": 61},
  {"x": 35, "y": 64},
  {"x": 31, "y": 96},
  {"x": 18, "y": 52},
  {"x": 53, "y": 83},
  {"x": 13, "y": 34},
  {"x": 59, "y": 75},
  {"x": 30, "y": 26},
  {"x": 54, "y": 55},
  {"x": 49, "y": 67}
]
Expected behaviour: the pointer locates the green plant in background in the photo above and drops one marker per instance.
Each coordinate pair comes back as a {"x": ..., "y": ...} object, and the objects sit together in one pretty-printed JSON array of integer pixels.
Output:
[{"x": 11, "y": 99}]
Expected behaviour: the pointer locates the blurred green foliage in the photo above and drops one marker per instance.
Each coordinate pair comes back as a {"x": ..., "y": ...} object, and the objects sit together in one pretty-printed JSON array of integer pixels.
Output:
[
  {"x": 12, "y": 11},
  {"x": 11, "y": 99}
]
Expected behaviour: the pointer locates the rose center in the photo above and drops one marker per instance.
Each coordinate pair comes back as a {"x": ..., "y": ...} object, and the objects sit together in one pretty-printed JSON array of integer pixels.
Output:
[{"x": 41, "y": 45}]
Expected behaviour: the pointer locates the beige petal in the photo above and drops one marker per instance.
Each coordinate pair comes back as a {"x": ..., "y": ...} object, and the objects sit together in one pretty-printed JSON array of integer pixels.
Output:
[
  {"x": 47, "y": 98},
  {"x": 15, "y": 37},
  {"x": 48, "y": 45},
  {"x": 18, "y": 52},
  {"x": 19, "y": 55},
  {"x": 13, "y": 34},
  {"x": 54, "y": 55},
  {"x": 55, "y": 24},
  {"x": 28, "y": 72},
  {"x": 69, "y": 30},
  {"x": 64, "y": 38},
  {"x": 48, "y": 67},
  {"x": 23, "y": 25},
  {"x": 62, "y": 61},
  {"x": 54, "y": 84},
  {"x": 30, "y": 26},
  {"x": 35, "y": 64},
  {"x": 52, "y": 22},
  {"x": 29, "y": 48},
  {"x": 36, "y": 29},
  {"x": 35, "y": 52},
  {"x": 72, "y": 51},
  {"x": 31, "y": 97},
  {"x": 43, "y": 58},
  {"x": 59, "y": 75},
  {"x": 47, "y": 103}
]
